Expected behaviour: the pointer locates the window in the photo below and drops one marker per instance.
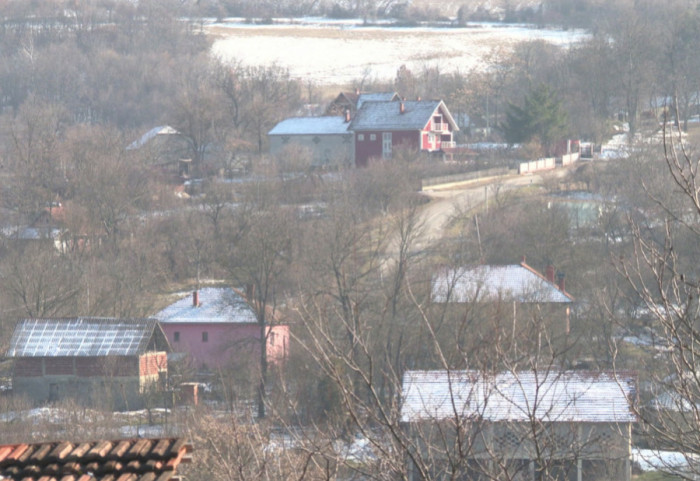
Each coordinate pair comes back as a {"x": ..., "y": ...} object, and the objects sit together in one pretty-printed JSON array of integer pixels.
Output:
[
  {"x": 176, "y": 336},
  {"x": 386, "y": 145},
  {"x": 372, "y": 136},
  {"x": 205, "y": 336},
  {"x": 360, "y": 137}
]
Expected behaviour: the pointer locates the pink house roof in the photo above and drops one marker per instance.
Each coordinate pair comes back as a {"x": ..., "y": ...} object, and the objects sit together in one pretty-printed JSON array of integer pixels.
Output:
[{"x": 217, "y": 305}]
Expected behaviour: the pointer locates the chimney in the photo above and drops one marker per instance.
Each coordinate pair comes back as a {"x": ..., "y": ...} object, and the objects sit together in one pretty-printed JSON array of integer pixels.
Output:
[
  {"x": 522, "y": 260},
  {"x": 561, "y": 281},
  {"x": 418, "y": 99},
  {"x": 549, "y": 273},
  {"x": 357, "y": 91},
  {"x": 402, "y": 107},
  {"x": 195, "y": 298},
  {"x": 347, "y": 115}
]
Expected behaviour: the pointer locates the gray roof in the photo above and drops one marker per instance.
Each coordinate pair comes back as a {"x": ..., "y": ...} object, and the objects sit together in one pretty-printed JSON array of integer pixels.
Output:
[
  {"x": 152, "y": 134},
  {"x": 388, "y": 116},
  {"x": 216, "y": 305},
  {"x": 86, "y": 336},
  {"x": 376, "y": 97},
  {"x": 568, "y": 396},
  {"x": 327, "y": 125},
  {"x": 484, "y": 283}
]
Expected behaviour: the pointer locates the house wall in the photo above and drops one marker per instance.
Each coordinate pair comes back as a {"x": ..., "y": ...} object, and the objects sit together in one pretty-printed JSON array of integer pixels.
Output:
[
  {"x": 226, "y": 344},
  {"x": 119, "y": 382},
  {"x": 367, "y": 148},
  {"x": 600, "y": 451},
  {"x": 337, "y": 150}
]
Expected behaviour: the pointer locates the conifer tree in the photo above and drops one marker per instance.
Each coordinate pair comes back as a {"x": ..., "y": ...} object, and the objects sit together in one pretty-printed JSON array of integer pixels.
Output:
[{"x": 541, "y": 118}]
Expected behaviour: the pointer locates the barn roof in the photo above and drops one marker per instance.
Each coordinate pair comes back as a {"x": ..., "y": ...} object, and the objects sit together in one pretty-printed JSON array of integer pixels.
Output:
[
  {"x": 129, "y": 459},
  {"x": 388, "y": 116},
  {"x": 86, "y": 337},
  {"x": 216, "y": 305},
  {"x": 326, "y": 125},
  {"x": 568, "y": 396},
  {"x": 482, "y": 283}
]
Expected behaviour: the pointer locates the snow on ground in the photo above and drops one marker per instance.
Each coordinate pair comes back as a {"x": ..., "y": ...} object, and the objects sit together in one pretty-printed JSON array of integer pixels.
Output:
[
  {"x": 668, "y": 461},
  {"x": 340, "y": 52}
]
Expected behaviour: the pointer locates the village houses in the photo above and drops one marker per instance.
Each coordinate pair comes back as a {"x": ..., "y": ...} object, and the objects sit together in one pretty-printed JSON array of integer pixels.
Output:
[{"x": 371, "y": 126}]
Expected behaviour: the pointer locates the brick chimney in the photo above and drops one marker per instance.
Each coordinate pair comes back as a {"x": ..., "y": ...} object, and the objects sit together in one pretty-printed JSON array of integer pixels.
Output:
[
  {"x": 347, "y": 115},
  {"x": 549, "y": 273},
  {"x": 195, "y": 298},
  {"x": 522, "y": 260},
  {"x": 561, "y": 284},
  {"x": 402, "y": 107}
]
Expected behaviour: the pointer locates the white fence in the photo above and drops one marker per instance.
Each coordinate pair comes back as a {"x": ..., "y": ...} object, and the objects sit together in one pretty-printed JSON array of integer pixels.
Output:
[
  {"x": 536, "y": 165},
  {"x": 568, "y": 159}
]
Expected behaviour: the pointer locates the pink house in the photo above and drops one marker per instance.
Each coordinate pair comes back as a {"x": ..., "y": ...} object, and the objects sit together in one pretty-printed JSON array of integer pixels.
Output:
[
  {"x": 381, "y": 127},
  {"x": 217, "y": 328}
]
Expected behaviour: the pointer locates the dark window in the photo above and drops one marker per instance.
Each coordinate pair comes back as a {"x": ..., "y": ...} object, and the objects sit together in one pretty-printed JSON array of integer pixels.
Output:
[
  {"x": 176, "y": 336},
  {"x": 205, "y": 336}
]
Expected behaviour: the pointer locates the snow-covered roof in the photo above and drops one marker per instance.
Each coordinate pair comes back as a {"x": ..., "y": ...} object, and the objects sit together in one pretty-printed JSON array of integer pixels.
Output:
[
  {"x": 568, "y": 396},
  {"x": 376, "y": 97},
  {"x": 151, "y": 134},
  {"x": 216, "y": 305},
  {"x": 483, "y": 283},
  {"x": 84, "y": 336},
  {"x": 326, "y": 125}
]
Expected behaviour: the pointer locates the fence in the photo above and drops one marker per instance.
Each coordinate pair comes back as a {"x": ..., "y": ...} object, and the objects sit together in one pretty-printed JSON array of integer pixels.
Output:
[
  {"x": 535, "y": 165},
  {"x": 449, "y": 179}
]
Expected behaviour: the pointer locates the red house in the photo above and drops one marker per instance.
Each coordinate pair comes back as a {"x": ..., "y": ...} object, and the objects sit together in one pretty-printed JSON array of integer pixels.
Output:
[
  {"x": 217, "y": 328},
  {"x": 381, "y": 127}
]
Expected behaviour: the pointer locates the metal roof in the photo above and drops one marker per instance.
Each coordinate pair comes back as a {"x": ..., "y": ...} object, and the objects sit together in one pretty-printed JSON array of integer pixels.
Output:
[
  {"x": 216, "y": 305},
  {"x": 82, "y": 336},
  {"x": 483, "y": 283},
  {"x": 327, "y": 125},
  {"x": 376, "y": 97},
  {"x": 151, "y": 134},
  {"x": 563, "y": 396},
  {"x": 388, "y": 116}
]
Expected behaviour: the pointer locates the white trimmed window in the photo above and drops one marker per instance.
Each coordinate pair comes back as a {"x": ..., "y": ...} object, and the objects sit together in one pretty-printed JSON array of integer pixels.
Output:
[
  {"x": 372, "y": 136},
  {"x": 386, "y": 145},
  {"x": 360, "y": 137}
]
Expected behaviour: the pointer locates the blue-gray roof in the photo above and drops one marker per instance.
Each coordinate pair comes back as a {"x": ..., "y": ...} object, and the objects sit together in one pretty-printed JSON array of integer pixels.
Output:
[
  {"x": 485, "y": 283},
  {"x": 216, "y": 305},
  {"x": 553, "y": 396},
  {"x": 327, "y": 125},
  {"x": 376, "y": 97},
  {"x": 86, "y": 336},
  {"x": 388, "y": 116}
]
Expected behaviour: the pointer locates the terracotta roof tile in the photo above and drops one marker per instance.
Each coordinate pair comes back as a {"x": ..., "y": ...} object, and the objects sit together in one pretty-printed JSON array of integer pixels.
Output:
[{"x": 122, "y": 460}]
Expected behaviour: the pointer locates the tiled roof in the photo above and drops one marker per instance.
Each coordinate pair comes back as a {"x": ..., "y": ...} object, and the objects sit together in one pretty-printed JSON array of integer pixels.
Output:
[
  {"x": 86, "y": 336},
  {"x": 330, "y": 124},
  {"x": 568, "y": 396},
  {"x": 216, "y": 305},
  {"x": 483, "y": 283},
  {"x": 123, "y": 460}
]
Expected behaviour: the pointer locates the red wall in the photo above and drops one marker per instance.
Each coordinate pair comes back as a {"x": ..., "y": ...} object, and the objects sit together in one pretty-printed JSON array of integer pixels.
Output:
[
  {"x": 368, "y": 149},
  {"x": 149, "y": 363}
]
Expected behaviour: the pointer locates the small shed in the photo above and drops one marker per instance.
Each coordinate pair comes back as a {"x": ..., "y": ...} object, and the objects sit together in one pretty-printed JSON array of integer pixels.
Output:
[{"x": 95, "y": 361}]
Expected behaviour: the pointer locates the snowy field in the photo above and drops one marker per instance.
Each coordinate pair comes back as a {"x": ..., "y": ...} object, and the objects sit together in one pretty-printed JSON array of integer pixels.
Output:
[{"x": 342, "y": 52}]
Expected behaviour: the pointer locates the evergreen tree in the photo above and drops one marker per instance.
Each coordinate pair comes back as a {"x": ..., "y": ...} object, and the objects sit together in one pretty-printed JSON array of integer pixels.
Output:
[{"x": 541, "y": 118}]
